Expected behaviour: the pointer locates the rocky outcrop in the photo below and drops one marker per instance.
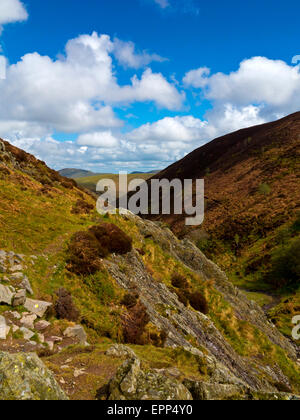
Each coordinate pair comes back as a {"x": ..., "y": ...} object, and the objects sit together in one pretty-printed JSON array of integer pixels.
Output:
[
  {"x": 27, "y": 330},
  {"x": 133, "y": 383},
  {"x": 25, "y": 377},
  {"x": 227, "y": 367}
]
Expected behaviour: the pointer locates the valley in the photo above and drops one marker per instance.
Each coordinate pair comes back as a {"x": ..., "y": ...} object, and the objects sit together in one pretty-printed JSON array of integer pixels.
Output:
[{"x": 127, "y": 302}]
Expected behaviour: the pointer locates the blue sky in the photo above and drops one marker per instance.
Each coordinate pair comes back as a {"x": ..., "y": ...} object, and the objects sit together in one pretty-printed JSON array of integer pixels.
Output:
[{"x": 141, "y": 83}]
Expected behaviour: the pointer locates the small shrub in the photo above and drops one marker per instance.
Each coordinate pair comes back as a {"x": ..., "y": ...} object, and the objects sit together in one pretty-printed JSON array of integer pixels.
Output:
[
  {"x": 158, "y": 339},
  {"x": 134, "y": 325},
  {"x": 199, "y": 302},
  {"x": 64, "y": 307},
  {"x": 129, "y": 300},
  {"x": 85, "y": 253},
  {"x": 264, "y": 189},
  {"x": 179, "y": 281},
  {"x": 183, "y": 297},
  {"x": 112, "y": 238},
  {"x": 286, "y": 266},
  {"x": 82, "y": 207}
]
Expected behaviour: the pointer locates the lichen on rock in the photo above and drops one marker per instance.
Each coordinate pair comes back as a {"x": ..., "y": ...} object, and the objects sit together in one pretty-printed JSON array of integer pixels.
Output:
[{"x": 25, "y": 377}]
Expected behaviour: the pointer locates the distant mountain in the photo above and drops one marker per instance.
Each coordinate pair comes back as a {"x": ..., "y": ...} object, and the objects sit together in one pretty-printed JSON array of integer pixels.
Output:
[
  {"x": 75, "y": 173},
  {"x": 150, "y": 172}
]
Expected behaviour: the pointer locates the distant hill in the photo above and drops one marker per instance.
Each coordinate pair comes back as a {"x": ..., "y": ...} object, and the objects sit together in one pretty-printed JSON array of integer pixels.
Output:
[
  {"x": 150, "y": 172},
  {"x": 75, "y": 173}
]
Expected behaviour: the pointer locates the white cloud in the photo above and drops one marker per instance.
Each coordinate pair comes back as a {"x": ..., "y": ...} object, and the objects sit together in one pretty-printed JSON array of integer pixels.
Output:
[
  {"x": 197, "y": 78},
  {"x": 76, "y": 92},
  {"x": 99, "y": 139},
  {"x": 127, "y": 56},
  {"x": 178, "y": 129},
  {"x": 12, "y": 11},
  {"x": 272, "y": 84},
  {"x": 162, "y": 3}
]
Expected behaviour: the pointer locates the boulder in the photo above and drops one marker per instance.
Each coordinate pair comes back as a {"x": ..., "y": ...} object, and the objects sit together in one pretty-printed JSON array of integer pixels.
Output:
[
  {"x": 37, "y": 307},
  {"x": 27, "y": 334},
  {"x": 24, "y": 377},
  {"x": 19, "y": 298},
  {"x": 25, "y": 284},
  {"x": 204, "y": 391},
  {"x": 28, "y": 320},
  {"x": 3, "y": 255},
  {"x": 42, "y": 325},
  {"x": 4, "y": 328},
  {"x": 17, "y": 276},
  {"x": 76, "y": 332},
  {"x": 6, "y": 294},
  {"x": 16, "y": 268},
  {"x": 119, "y": 350},
  {"x": 132, "y": 383}
]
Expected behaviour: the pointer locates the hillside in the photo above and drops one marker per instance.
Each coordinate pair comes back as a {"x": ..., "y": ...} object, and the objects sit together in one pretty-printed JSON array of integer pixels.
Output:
[
  {"x": 161, "y": 320},
  {"x": 75, "y": 173},
  {"x": 252, "y": 191}
]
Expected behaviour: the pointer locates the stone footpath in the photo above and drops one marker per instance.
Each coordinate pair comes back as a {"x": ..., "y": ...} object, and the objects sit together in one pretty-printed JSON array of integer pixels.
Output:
[{"x": 24, "y": 327}]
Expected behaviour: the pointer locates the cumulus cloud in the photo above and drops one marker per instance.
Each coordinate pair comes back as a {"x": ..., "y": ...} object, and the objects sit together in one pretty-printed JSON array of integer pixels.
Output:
[
  {"x": 271, "y": 84},
  {"x": 12, "y": 11},
  {"x": 99, "y": 139},
  {"x": 126, "y": 54},
  {"x": 77, "y": 91}
]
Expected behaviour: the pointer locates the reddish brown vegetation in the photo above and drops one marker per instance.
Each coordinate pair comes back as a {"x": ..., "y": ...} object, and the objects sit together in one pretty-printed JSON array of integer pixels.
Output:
[
  {"x": 187, "y": 295},
  {"x": 87, "y": 248},
  {"x": 199, "y": 302},
  {"x": 112, "y": 238},
  {"x": 64, "y": 306},
  {"x": 134, "y": 324},
  {"x": 82, "y": 207},
  {"x": 235, "y": 167},
  {"x": 130, "y": 300},
  {"x": 179, "y": 281},
  {"x": 85, "y": 253}
]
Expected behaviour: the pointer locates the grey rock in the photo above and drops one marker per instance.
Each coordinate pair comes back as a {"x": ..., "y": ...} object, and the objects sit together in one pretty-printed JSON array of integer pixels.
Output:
[
  {"x": 16, "y": 268},
  {"x": 19, "y": 298},
  {"x": 132, "y": 383},
  {"x": 17, "y": 276},
  {"x": 6, "y": 294},
  {"x": 4, "y": 328},
  {"x": 42, "y": 325},
  {"x": 119, "y": 350},
  {"x": 3, "y": 254},
  {"x": 24, "y": 377},
  {"x": 37, "y": 307},
  {"x": 25, "y": 284},
  {"x": 28, "y": 321},
  {"x": 76, "y": 332},
  {"x": 27, "y": 334}
]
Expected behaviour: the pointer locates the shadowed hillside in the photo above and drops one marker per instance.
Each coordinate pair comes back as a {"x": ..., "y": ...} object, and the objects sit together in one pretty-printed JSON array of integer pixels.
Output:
[{"x": 252, "y": 190}]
